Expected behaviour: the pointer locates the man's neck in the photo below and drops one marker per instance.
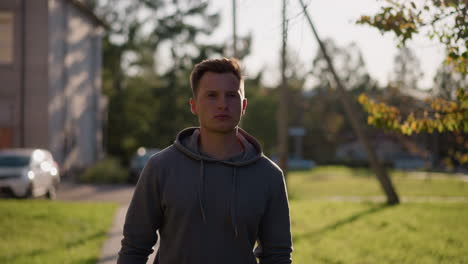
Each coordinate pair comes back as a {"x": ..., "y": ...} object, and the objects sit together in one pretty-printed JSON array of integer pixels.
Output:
[{"x": 218, "y": 145}]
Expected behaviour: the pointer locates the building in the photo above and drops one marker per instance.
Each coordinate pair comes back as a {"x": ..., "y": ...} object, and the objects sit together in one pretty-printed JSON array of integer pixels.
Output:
[{"x": 50, "y": 79}]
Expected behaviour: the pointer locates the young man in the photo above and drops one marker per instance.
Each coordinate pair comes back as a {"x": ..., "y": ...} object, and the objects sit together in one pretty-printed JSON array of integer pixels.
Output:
[{"x": 212, "y": 194}]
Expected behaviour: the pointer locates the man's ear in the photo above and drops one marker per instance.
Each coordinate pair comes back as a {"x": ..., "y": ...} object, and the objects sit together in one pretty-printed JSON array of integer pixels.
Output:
[
  {"x": 244, "y": 105},
  {"x": 193, "y": 106}
]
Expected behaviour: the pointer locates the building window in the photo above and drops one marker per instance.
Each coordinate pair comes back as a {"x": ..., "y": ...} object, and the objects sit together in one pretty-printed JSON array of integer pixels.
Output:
[{"x": 6, "y": 37}]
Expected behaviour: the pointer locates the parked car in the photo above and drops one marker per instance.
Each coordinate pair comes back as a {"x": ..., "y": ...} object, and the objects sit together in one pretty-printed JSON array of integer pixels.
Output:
[
  {"x": 406, "y": 161},
  {"x": 297, "y": 164},
  {"x": 139, "y": 160},
  {"x": 28, "y": 173}
]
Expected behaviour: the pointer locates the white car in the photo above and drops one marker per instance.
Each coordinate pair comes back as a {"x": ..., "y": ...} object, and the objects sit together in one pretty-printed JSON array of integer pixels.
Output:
[{"x": 28, "y": 173}]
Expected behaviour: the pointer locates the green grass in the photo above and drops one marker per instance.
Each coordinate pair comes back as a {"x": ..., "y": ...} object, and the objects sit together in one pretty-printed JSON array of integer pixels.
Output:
[
  {"x": 345, "y": 232},
  {"x": 325, "y": 231},
  {"x": 41, "y": 231},
  {"x": 342, "y": 181}
]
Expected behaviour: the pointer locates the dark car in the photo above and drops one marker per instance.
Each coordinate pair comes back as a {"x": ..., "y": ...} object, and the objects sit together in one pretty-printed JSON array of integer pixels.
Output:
[
  {"x": 297, "y": 164},
  {"x": 139, "y": 160}
]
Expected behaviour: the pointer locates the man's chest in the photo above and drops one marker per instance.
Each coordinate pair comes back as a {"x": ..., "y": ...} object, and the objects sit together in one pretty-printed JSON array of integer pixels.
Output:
[{"x": 218, "y": 190}]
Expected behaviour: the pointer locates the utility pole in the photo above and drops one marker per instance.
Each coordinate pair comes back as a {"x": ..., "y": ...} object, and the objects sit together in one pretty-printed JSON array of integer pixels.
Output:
[
  {"x": 283, "y": 103},
  {"x": 234, "y": 29},
  {"x": 382, "y": 176}
]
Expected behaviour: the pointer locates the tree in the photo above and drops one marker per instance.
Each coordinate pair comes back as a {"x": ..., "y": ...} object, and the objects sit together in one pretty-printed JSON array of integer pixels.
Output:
[
  {"x": 146, "y": 107},
  {"x": 447, "y": 81},
  {"x": 449, "y": 146},
  {"x": 407, "y": 69},
  {"x": 382, "y": 176},
  {"x": 324, "y": 118},
  {"x": 260, "y": 116},
  {"x": 447, "y": 21},
  {"x": 349, "y": 63},
  {"x": 444, "y": 20}
]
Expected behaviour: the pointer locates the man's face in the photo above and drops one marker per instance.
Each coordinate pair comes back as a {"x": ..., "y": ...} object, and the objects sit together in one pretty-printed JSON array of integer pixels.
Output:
[{"x": 219, "y": 103}]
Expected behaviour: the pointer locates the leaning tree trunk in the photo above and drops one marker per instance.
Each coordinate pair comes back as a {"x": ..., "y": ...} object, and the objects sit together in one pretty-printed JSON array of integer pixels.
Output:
[{"x": 382, "y": 176}]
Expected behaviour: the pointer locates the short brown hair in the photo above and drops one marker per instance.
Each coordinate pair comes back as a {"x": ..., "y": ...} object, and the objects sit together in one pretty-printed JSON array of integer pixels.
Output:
[{"x": 223, "y": 65}]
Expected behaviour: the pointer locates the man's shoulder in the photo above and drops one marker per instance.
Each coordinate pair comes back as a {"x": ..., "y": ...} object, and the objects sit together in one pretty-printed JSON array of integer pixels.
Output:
[
  {"x": 268, "y": 165},
  {"x": 168, "y": 155}
]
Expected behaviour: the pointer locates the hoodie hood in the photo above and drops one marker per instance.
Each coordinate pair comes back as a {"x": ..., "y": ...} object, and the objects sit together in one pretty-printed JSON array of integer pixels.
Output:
[{"x": 187, "y": 142}]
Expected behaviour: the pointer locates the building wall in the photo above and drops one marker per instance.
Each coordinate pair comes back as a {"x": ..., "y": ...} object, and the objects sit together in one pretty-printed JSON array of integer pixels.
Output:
[
  {"x": 74, "y": 72},
  {"x": 10, "y": 76},
  {"x": 58, "y": 102},
  {"x": 36, "y": 98},
  {"x": 59, "y": 68},
  {"x": 23, "y": 85},
  {"x": 98, "y": 110}
]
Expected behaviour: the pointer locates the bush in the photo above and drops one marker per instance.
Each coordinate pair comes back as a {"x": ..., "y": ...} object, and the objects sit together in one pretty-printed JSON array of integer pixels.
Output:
[{"x": 108, "y": 170}]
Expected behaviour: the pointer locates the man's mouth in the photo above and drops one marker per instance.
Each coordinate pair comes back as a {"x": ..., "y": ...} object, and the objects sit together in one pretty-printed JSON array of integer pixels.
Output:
[{"x": 222, "y": 117}]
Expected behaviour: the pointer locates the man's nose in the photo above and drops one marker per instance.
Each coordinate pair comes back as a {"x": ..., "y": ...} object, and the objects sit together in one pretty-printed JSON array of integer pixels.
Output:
[{"x": 222, "y": 102}]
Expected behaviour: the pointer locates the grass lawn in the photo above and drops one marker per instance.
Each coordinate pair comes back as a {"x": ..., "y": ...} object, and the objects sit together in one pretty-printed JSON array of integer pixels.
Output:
[
  {"x": 41, "y": 231},
  {"x": 363, "y": 232},
  {"x": 341, "y": 181},
  {"x": 324, "y": 231}
]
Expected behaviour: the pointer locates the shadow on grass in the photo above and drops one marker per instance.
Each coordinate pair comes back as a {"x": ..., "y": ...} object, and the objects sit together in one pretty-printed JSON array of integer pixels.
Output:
[
  {"x": 91, "y": 260},
  {"x": 65, "y": 246},
  {"x": 348, "y": 220},
  {"x": 362, "y": 172}
]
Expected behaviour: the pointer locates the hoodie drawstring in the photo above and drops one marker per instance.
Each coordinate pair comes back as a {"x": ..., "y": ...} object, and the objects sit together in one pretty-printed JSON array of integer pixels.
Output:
[
  {"x": 233, "y": 202},
  {"x": 201, "y": 192}
]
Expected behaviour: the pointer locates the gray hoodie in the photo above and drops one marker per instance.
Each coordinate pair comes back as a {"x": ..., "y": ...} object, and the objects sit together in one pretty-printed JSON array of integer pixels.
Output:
[{"x": 208, "y": 211}]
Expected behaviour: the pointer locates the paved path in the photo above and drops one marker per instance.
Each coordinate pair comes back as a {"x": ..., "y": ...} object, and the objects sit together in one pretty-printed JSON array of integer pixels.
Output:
[{"x": 120, "y": 194}]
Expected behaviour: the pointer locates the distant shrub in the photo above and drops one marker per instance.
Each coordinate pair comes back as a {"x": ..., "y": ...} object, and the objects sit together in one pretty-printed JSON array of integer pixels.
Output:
[{"x": 108, "y": 170}]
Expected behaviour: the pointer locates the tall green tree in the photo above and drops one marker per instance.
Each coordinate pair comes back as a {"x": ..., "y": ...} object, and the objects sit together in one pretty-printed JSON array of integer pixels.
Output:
[
  {"x": 260, "y": 116},
  {"x": 147, "y": 107}
]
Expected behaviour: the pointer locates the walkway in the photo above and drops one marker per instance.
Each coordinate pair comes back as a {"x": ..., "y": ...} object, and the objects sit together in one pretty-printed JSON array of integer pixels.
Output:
[{"x": 120, "y": 194}]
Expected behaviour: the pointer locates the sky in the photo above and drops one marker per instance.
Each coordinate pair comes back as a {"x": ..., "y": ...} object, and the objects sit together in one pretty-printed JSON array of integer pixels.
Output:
[{"x": 333, "y": 19}]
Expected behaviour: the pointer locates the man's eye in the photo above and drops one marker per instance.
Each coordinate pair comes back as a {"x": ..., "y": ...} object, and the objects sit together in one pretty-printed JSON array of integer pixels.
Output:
[
  {"x": 211, "y": 95},
  {"x": 232, "y": 95}
]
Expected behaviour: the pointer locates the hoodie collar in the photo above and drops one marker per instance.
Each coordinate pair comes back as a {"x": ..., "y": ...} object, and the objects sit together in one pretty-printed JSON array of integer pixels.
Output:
[{"x": 187, "y": 142}]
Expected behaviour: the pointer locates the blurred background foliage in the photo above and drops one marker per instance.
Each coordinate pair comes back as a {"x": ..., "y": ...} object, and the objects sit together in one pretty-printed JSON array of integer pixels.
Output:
[{"x": 148, "y": 95}]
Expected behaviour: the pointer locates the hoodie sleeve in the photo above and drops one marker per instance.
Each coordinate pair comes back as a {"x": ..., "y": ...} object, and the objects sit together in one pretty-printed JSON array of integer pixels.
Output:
[
  {"x": 274, "y": 238},
  {"x": 143, "y": 219}
]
